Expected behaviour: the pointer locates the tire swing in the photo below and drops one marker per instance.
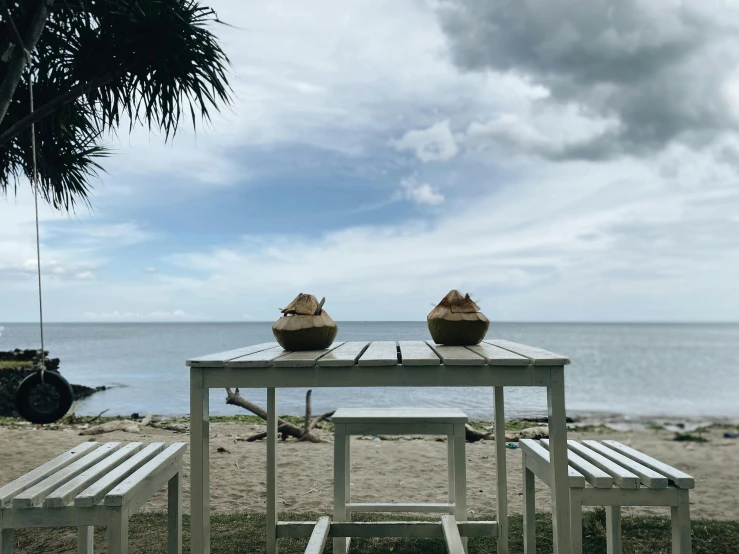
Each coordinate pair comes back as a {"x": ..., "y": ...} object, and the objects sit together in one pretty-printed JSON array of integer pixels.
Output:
[{"x": 44, "y": 396}]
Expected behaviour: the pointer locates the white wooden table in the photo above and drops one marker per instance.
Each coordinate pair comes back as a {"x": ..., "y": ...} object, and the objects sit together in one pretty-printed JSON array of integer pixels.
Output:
[{"x": 493, "y": 363}]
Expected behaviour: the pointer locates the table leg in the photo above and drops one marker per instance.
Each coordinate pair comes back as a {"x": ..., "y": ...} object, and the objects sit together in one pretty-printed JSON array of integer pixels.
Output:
[
  {"x": 558, "y": 450},
  {"x": 341, "y": 469},
  {"x": 271, "y": 471},
  {"x": 500, "y": 472},
  {"x": 199, "y": 463}
]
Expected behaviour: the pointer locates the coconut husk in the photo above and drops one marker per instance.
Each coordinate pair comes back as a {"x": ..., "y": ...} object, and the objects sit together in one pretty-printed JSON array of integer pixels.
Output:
[
  {"x": 305, "y": 325},
  {"x": 457, "y": 321}
]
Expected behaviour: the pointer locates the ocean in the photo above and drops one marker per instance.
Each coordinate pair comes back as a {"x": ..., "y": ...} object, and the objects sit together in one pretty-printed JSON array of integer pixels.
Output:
[{"x": 687, "y": 371}]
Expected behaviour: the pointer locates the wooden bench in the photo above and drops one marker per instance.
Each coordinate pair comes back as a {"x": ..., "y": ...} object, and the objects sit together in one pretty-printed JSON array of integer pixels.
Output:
[
  {"x": 94, "y": 484},
  {"x": 398, "y": 421},
  {"x": 608, "y": 473}
]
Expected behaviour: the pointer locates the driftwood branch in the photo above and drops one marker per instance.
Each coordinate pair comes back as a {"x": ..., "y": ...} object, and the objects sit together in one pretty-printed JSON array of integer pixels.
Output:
[
  {"x": 472, "y": 435},
  {"x": 285, "y": 428}
]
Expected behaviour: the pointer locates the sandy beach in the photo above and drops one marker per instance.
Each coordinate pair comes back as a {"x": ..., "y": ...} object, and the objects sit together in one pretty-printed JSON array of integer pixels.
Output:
[{"x": 408, "y": 469}]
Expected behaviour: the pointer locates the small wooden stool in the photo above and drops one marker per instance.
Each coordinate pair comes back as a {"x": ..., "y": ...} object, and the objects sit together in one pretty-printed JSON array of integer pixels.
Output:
[
  {"x": 398, "y": 421},
  {"x": 618, "y": 476},
  {"x": 93, "y": 485}
]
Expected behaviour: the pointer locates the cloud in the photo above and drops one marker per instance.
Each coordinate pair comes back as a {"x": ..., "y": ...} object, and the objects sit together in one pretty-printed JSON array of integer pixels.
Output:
[
  {"x": 430, "y": 145},
  {"x": 659, "y": 70},
  {"x": 420, "y": 193},
  {"x": 133, "y": 316},
  {"x": 150, "y": 270}
]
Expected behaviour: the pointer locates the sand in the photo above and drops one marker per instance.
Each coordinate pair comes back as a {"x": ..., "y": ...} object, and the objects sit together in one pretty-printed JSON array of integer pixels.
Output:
[{"x": 410, "y": 470}]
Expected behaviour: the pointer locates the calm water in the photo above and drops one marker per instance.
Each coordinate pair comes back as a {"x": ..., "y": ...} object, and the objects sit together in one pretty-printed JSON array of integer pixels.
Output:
[{"x": 689, "y": 371}]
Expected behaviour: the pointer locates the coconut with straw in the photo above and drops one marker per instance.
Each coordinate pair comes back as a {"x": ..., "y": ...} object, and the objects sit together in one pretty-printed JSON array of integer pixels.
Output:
[
  {"x": 457, "y": 321},
  {"x": 305, "y": 325}
]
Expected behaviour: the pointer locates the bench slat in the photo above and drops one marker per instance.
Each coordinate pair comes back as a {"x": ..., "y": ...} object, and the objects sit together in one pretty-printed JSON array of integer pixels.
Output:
[
  {"x": 345, "y": 355},
  {"x": 304, "y": 358},
  {"x": 124, "y": 491},
  {"x": 418, "y": 353},
  {"x": 64, "y": 494},
  {"x": 37, "y": 493},
  {"x": 540, "y": 457},
  {"x": 220, "y": 359},
  {"x": 680, "y": 479},
  {"x": 95, "y": 492},
  {"x": 538, "y": 356},
  {"x": 494, "y": 355},
  {"x": 593, "y": 474},
  {"x": 622, "y": 477},
  {"x": 9, "y": 491},
  {"x": 451, "y": 534},
  {"x": 380, "y": 353},
  {"x": 319, "y": 536},
  {"x": 456, "y": 355},
  {"x": 648, "y": 476}
]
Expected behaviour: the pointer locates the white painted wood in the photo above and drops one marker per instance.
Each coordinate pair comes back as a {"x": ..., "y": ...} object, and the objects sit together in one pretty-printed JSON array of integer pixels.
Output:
[
  {"x": 9, "y": 491},
  {"x": 64, "y": 494},
  {"x": 407, "y": 529},
  {"x": 538, "y": 356},
  {"x": 613, "y": 530},
  {"x": 319, "y": 537},
  {"x": 380, "y": 353},
  {"x": 417, "y": 353},
  {"x": 451, "y": 477},
  {"x": 529, "y": 508},
  {"x": 460, "y": 474},
  {"x": 85, "y": 539},
  {"x": 648, "y": 476},
  {"x": 340, "y": 471},
  {"x": 69, "y": 516},
  {"x": 307, "y": 358},
  {"x": 456, "y": 355},
  {"x": 680, "y": 521},
  {"x": 97, "y": 490},
  {"x": 679, "y": 479},
  {"x": 420, "y": 508},
  {"x": 539, "y": 460},
  {"x": 617, "y": 496},
  {"x": 261, "y": 358},
  {"x": 398, "y": 415},
  {"x": 131, "y": 485},
  {"x": 621, "y": 476},
  {"x": 345, "y": 355},
  {"x": 272, "y": 547},
  {"x": 37, "y": 493},
  {"x": 118, "y": 532},
  {"x": 576, "y": 520},
  {"x": 6, "y": 541},
  {"x": 593, "y": 474},
  {"x": 199, "y": 463},
  {"x": 501, "y": 477},
  {"x": 559, "y": 471},
  {"x": 495, "y": 355},
  {"x": 451, "y": 535},
  {"x": 220, "y": 359},
  {"x": 174, "y": 512}
]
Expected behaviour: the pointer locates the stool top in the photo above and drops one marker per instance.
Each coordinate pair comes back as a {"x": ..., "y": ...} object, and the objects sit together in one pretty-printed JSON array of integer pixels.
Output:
[{"x": 399, "y": 415}]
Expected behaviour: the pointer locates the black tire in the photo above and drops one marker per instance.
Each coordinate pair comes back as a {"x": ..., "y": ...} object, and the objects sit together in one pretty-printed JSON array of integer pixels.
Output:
[{"x": 26, "y": 408}]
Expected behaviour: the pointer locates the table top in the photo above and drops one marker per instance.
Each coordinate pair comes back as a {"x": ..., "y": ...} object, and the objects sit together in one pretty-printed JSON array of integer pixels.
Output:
[{"x": 377, "y": 354}]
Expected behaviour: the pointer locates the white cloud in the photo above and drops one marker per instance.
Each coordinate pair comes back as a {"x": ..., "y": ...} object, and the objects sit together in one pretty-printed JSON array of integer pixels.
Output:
[
  {"x": 435, "y": 144},
  {"x": 420, "y": 193},
  {"x": 150, "y": 270}
]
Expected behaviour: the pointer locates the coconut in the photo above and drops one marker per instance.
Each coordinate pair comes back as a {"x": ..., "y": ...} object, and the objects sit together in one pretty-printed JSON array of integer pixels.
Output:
[
  {"x": 305, "y": 325},
  {"x": 457, "y": 321}
]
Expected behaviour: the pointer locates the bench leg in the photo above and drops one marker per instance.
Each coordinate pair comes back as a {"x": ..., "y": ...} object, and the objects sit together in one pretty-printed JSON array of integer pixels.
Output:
[
  {"x": 613, "y": 529},
  {"x": 6, "y": 541},
  {"x": 271, "y": 471},
  {"x": 681, "y": 543},
  {"x": 340, "y": 473},
  {"x": 576, "y": 520},
  {"x": 174, "y": 513},
  {"x": 450, "y": 468},
  {"x": 118, "y": 533},
  {"x": 529, "y": 509},
  {"x": 460, "y": 476},
  {"x": 500, "y": 471},
  {"x": 85, "y": 539}
]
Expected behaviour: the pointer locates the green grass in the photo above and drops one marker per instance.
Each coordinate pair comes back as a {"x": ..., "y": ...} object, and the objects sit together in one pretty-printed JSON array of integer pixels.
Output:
[
  {"x": 689, "y": 437},
  {"x": 244, "y": 533},
  {"x": 10, "y": 364}
]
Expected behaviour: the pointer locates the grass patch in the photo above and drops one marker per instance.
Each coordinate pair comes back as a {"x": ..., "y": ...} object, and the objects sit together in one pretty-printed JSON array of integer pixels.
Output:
[
  {"x": 244, "y": 533},
  {"x": 689, "y": 437},
  {"x": 10, "y": 364}
]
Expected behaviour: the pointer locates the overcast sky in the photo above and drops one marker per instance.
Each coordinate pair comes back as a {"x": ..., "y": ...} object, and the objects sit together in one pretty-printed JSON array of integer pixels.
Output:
[{"x": 561, "y": 160}]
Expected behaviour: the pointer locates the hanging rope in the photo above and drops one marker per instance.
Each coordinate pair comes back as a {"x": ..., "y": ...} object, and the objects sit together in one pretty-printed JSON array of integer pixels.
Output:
[{"x": 35, "y": 203}]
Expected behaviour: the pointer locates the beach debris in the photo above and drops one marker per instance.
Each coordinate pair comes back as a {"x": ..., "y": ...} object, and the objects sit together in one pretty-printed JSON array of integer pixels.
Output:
[
  {"x": 730, "y": 435},
  {"x": 511, "y": 446},
  {"x": 457, "y": 321},
  {"x": 222, "y": 450},
  {"x": 285, "y": 428},
  {"x": 125, "y": 425},
  {"x": 305, "y": 325}
]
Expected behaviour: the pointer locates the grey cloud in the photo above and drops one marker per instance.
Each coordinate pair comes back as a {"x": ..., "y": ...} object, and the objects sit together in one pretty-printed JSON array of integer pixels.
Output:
[{"x": 659, "y": 68}]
